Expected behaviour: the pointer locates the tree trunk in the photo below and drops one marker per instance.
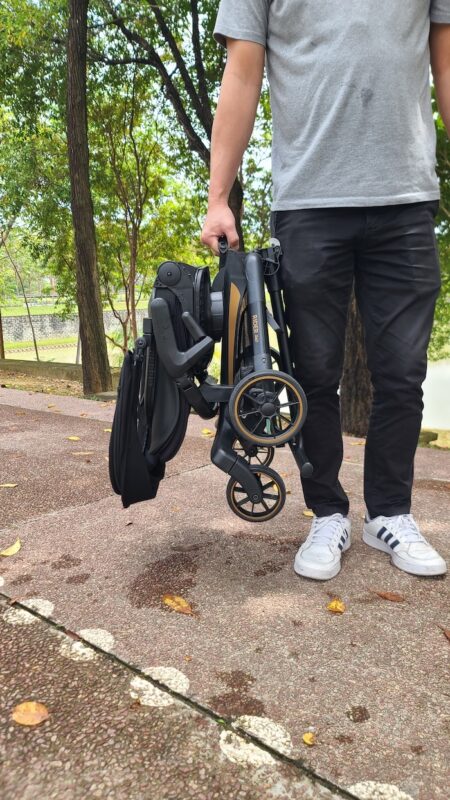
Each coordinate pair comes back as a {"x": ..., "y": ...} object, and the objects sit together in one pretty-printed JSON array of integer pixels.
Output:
[
  {"x": 94, "y": 355},
  {"x": 2, "y": 343},
  {"x": 235, "y": 199},
  {"x": 356, "y": 388}
]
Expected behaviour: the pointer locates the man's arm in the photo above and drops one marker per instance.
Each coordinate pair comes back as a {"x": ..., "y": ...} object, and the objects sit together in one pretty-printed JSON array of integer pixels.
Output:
[
  {"x": 234, "y": 119},
  {"x": 440, "y": 66}
]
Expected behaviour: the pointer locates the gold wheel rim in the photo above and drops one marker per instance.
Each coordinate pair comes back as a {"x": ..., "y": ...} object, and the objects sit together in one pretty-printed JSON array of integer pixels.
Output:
[
  {"x": 269, "y": 513},
  {"x": 282, "y": 437}
]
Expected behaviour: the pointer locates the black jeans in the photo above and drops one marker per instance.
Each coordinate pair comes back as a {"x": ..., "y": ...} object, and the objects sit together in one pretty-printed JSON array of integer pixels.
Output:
[{"x": 391, "y": 254}]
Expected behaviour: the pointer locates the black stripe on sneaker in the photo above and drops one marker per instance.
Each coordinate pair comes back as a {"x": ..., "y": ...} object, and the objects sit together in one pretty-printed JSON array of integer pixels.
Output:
[
  {"x": 343, "y": 538},
  {"x": 394, "y": 543},
  {"x": 388, "y": 537},
  {"x": 340, "y": 546},
  {"x": 380, "y": 532}
]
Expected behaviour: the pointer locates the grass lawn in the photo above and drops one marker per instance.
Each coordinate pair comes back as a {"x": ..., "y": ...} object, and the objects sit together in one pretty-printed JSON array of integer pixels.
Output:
[{"x": 52, "y": 308}]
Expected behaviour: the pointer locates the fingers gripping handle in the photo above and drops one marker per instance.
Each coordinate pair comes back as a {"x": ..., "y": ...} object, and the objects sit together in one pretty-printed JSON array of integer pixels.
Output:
[{"x": 223, "y": 247}]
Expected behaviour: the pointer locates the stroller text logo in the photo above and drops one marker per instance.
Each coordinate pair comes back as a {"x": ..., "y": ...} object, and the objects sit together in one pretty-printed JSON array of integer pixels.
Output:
[{"x": 255, "y": 327}]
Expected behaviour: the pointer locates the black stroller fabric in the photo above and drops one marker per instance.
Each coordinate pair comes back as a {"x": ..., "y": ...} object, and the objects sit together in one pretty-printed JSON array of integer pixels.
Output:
[
  {"x": 150, "y": 418},
  {"x": 132, "y": 475}
]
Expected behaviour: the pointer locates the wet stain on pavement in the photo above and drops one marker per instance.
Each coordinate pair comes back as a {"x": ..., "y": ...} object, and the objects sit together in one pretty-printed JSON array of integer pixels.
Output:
[
  {"x": 237, "y": 700},
  {"x": 342, "y": 738},
  {"x": 22, "y": 579},
  {"x": 172, "y": 575},
  {"x": 76, "y": 580},
  {"x": 268, "y": 567},
  {"x": 66, "y": 562},
  {"x": 358, "y": 714}
]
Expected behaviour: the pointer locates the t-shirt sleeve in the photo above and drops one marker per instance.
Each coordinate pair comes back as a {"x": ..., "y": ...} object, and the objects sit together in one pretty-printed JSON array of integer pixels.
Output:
[
  {"x": 243, "y": 19},
  {"x": 440, "y": 11}
]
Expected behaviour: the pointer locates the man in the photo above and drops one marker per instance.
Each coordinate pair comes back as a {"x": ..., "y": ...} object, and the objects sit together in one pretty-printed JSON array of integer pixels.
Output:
[{"x": 355, "y": 195}]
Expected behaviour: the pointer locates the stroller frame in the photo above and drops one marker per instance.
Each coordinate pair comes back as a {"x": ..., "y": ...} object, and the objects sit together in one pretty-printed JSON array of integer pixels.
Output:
[{"x": 260, "y": 405}]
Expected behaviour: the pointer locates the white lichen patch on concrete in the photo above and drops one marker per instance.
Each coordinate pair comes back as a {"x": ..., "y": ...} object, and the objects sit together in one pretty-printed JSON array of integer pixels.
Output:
[
  {"x": 371, "y": 790},
  {"x": 171, "y": 677},
  {"x": 268, "y": 731},
  {"x": 44, "y": 607},
  {"x": 240, "y": 751},
  {"x": 98, "y": 636},
  {"x": 149, "y": 695},
  {"x": 19, "y": 616},
  {"x": 77, "y": 651}
]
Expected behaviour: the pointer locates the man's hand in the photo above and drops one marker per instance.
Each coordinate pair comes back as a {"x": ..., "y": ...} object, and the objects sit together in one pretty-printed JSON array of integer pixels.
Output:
[
  {"x": 440, "y": 66},
  {"x": 219, "y": 220}
]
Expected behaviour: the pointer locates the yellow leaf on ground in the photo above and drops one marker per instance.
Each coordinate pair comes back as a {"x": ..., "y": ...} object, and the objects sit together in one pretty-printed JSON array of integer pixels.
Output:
[
  {"x": 307, "y": 513},
  {"x": 51, "y": 405},
  {"x": 73, "y": 438},
  {"x": 11, "y": 551},
  {"x": 177, "y": 603},
  {"x": 8, "y": 485},
  {"x": 336, "y": 606},
  {"x": 30, "y": 713},
  {"x": 394, "y": 597},
  {"x": 309, "y": 738},
  {"x": 207, "y": 432},
  {"x": 83, "y": 453},
  {"x": 107, "y": 430},
  {"x": 355, "y": 444}
]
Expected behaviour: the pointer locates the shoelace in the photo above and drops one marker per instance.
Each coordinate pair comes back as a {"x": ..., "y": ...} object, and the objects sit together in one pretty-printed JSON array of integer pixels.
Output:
[
  {"x": 333, "y": 529},
  {"x": 405, "y": 528}
]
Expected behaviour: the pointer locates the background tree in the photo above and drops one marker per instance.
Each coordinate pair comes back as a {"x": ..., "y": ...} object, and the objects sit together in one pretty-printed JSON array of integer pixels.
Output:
[{"x": 96, "y": 373}]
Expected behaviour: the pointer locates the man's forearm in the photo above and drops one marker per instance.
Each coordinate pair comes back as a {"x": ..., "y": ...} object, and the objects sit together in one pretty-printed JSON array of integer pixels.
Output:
[
  {"x": 442, "y": 86},
  {"x": 232, "y": 128}
]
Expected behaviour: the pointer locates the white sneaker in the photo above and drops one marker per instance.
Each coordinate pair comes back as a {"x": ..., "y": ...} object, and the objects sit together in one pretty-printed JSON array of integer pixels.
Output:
[
  {"x": 320, "y": 554},
  {"x": 400, "y": 536}
]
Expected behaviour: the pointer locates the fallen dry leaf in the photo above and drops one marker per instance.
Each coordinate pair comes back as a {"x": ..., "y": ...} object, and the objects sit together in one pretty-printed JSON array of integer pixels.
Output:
[
  {"x": 107, "y": 430},
  {"x": 336, "y": 606},
  {"x": 51, "y": 405},
  {"x": 394, "y": 597},
  {"x": 8, "y": 485},
  {"x": 307, "y": 513},
  {"x": 30, "y": 713},
  {"x": 73, "y": 438},
  {"x": 177, "y": 603},
  {"x": 309, "y": 738},
  {"x": 188, "y": 658},
  {"x": 207, "y": 432},
  {"x": 83, "y": 453},
  {"x": 83, "y": 414},
  {"x": 355, "y": 444},
  {"x": 13, "y": 549},
  {"x": 445, "y": 631}
]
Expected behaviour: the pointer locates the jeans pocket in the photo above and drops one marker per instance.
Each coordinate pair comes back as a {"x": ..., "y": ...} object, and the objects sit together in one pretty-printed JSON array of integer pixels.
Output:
[
  {"x": 435, "y": 205},
  {"x": 273, "y": 222}
]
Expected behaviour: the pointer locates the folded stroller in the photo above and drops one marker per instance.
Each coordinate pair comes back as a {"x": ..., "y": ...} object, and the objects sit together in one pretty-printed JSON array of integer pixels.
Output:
[{"x": 258, "y": 403}]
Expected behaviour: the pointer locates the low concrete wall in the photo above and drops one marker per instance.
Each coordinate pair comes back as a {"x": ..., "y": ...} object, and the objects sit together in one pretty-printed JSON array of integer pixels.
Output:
[
  {"x": 51, "y": 326},
  {"x": 50, "y": 369}
]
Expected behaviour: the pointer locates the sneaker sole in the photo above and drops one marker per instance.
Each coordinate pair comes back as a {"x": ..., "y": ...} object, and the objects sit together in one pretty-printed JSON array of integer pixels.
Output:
[
  {"x": 321, "y": 575},
  {"x": 398, "y": 562}
]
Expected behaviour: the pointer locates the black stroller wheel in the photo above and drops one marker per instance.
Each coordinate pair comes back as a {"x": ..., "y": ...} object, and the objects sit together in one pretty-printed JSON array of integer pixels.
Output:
[
  {"x": 256, "y": 455},
  {"x": 274, "y": 496},
  {"x": 267, "y": 408}
]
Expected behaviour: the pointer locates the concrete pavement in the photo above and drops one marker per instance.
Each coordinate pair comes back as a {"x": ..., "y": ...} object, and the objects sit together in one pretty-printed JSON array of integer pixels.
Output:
[{"x": 261, "y": 650}]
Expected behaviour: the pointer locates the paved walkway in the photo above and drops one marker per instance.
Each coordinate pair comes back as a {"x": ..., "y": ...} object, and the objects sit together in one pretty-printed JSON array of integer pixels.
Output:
[{"x": 260, "y": 652}]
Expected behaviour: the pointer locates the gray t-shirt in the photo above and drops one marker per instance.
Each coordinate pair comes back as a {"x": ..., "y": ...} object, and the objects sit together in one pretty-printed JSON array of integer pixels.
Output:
[{"x": 349, "y": 85}]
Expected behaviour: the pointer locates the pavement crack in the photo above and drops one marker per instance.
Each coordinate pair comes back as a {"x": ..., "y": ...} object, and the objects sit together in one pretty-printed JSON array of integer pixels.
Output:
[{"x": 221, "y": 721}]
